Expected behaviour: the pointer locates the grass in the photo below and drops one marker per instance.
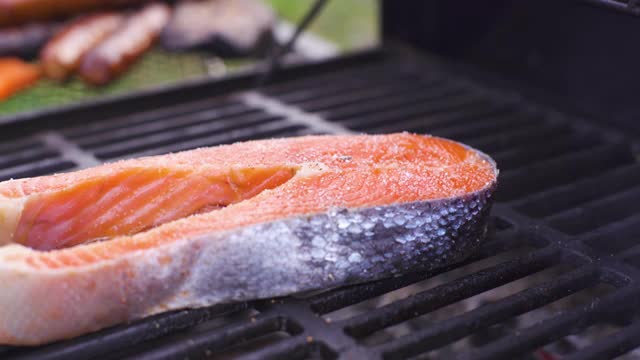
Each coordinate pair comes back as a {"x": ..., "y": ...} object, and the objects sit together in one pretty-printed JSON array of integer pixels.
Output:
[{"x": 351, "y": 24}]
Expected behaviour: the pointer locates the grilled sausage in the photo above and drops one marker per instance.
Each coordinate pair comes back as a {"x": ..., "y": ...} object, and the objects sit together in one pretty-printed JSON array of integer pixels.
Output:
[
  {"x": 120, "y": 50},
  {"x": 15, "y": 12},
  {"x": 26, "y": 40},
  {"x": 62, "y": 55}
]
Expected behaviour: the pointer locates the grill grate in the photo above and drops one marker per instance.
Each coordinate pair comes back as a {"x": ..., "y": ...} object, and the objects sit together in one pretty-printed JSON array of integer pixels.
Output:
[
  {"x": 30, "y": 157},
  {"x": 215, "y": 124},
  {"x": 565, "y": 224}
]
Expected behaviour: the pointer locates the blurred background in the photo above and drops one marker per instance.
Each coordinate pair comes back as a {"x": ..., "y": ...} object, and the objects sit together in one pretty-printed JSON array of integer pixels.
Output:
[{"x": 109, "y": 47}]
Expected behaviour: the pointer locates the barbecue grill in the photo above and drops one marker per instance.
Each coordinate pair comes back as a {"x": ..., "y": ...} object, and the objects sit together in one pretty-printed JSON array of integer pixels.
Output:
[{"x": 526, "y": 83}]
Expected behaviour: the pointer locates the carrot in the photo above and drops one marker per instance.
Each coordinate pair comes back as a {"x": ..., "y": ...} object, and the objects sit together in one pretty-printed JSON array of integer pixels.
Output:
[{"x": 16, "y": 75}]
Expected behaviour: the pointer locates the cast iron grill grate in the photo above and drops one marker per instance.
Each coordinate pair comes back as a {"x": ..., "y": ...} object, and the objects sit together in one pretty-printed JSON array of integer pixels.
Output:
[
  {"x": 29, "y": 157},
  {"x": 179, "y": 129},
  {"x": 559, "y": 265}
]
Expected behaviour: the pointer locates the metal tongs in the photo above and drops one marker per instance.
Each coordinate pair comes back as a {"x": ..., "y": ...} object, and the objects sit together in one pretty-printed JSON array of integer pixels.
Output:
[{"x": 279, "y": 51}]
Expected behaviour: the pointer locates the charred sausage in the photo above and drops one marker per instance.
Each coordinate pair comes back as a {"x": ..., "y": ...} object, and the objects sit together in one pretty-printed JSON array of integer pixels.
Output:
[
  {"x": 62, "y": 54},
  {"x": 122, "y": 48}
]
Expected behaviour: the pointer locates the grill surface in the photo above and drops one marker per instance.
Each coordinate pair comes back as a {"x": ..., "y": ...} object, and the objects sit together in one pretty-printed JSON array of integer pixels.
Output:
[{"x": 562, "y": 247}]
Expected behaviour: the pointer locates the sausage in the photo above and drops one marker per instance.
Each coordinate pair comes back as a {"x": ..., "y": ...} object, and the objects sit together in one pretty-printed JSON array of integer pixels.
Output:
[
  {"x": 120, "y": 50},
  {"x": 62, "y": 54},
  {"x": 15, "y": 12},
  {"x": 16, "y": 75},
  {"x": 26, "y": 40}
]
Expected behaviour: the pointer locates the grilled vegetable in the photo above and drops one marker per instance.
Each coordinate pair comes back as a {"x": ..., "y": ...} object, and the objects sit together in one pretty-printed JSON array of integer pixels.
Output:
[
  {"x": 16, "y": 75},
  {"x": 122, "y": 48}
]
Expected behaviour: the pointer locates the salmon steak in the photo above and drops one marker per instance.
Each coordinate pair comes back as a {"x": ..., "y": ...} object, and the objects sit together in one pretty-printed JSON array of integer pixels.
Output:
[{"x": 84, "y": 250}]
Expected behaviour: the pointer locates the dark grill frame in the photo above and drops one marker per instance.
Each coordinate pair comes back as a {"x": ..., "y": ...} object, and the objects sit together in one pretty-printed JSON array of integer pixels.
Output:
[
  {"x": 627, "y": 6},
  {"x": 554, "y": 171}
]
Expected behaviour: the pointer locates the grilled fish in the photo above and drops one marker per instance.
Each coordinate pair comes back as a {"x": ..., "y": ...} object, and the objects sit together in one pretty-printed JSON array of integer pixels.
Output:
[{"x": 105, "y": 245}]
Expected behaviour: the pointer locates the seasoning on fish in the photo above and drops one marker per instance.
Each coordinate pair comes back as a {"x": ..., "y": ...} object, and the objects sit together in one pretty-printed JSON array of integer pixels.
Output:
[
  {"x": 16, "y": 75},
  {"x": 62, "y": 54},
  {"x": 232, "y": 223},
  {"x": 125, "y": 46}
]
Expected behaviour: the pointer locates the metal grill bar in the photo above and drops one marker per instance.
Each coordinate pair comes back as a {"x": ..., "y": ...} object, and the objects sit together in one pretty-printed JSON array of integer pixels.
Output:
[
  {"x": 522, "y": 156},
  {"x": 471, "y": 130},
  {"x": 449, "y": 293},
  {"x": 35, "y": 168},
  {"x": 565, "y": 169},
  {"x": 16, "y": 146},
  {"x": 441, "y": 101},
  {"x": 28, "y": 155},
  {"x": 597, "y": 213},
  {"x": 426, "y": 122},
  {"x": 568, "y": 196},
  {"x": 559, "y": 326},
  {"x": 460, "y": 326},
  {"x": 615, "y": 345},
  {"x": 211, "y": 107},
  {"x": 244, "y": 134},
  {"x": 294, "y": 348},
  {"x": 122, "y": 337},
  {"x": 208, "y": 342},
  {"x": 293, "y": 114},
  {"x": 134, "y": 131},
  {"x": 68, "y": 150},
  {"x": 390, "y": 93},
  {"x": 524, "y": 136},
  {"x": 165, "y": 143},
  {"x": 616, "y": 236},
  {"x": 187, "y": 132}
]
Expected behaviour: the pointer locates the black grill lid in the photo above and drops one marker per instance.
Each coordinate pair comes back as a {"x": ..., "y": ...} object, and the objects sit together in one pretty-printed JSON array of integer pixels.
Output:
[{"x": 562, "y": 249}]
